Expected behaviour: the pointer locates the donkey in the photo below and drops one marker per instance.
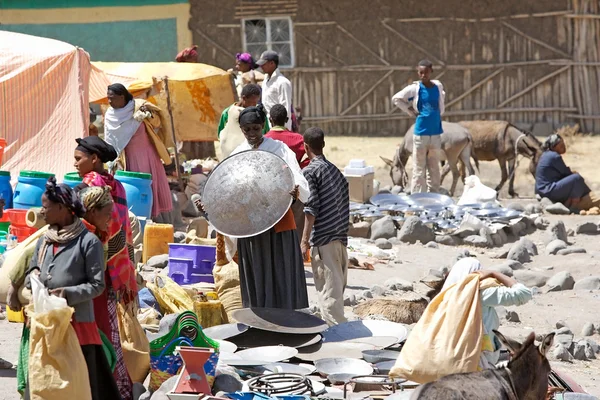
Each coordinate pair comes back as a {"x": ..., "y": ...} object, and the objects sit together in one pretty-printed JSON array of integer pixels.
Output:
[
  {"x": 499, "y": 140},
  {"x": 525, "y": 377},
  {"x": 456, "y": 143}
]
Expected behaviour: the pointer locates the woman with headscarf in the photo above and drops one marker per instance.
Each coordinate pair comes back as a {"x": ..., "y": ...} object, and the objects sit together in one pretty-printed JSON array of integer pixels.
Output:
[
  {"x": 508, "y": 292},
  {"x": 245, "y": 72},
  {"x": 188, "y": 55},
  {"x": 69, "y": 261},
  {"x": 90, "y": 155},
  {"x": 557, "y": 182},
  {"x": 134, "y": 129},
  {"x": 271, "y": 264}
]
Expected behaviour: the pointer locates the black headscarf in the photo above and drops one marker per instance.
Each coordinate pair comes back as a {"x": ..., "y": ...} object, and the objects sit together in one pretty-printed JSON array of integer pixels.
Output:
[
  {"x": 97, "y": 146},
  {"x": 253, "y": 115},
  {"x": 63, "y": 194},
  {"x": 121, "y": 90}
]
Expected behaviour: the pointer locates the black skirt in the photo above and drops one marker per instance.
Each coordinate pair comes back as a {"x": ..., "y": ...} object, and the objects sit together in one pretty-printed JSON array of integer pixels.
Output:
[{"x": 272, "y": 271}]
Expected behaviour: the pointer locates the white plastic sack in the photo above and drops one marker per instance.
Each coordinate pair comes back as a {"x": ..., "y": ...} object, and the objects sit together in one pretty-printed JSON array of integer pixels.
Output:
[
  {"x": 42, "y": 300},
  {"x": 476, "y": 192}
]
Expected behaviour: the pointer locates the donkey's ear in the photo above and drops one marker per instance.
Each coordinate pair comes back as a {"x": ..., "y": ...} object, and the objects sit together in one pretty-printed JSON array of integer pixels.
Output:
[
  {"x": 546, "y": 344},
  {"x": 512, "y": 345},
  {"x": 387, "y": 161}
]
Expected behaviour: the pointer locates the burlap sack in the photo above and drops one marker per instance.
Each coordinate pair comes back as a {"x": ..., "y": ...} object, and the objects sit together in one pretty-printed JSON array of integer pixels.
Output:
[
  {"x": 227, "y": 280},
  {"x": 135, "y": 345}
]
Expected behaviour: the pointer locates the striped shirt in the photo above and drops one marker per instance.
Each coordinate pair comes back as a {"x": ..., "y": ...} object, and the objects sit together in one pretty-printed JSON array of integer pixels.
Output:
[{"x": 329, "y": 202}]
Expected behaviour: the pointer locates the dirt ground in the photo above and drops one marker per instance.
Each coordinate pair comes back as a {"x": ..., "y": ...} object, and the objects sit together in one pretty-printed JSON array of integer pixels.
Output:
[{"x": 539, "y": 315}]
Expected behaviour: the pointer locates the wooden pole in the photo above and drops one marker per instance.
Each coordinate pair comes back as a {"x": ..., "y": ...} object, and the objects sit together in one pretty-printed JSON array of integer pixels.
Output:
[
  {"x": 474, "y": 87},
  {"x": 367, "y": 93},
  {"x": 415, "y": 45},
  {"x": 361, "y": 44},
  {"x": 534, "y": 40},
  {"x": 179, "y": 179},
  {"x": 533, "y": 85}
]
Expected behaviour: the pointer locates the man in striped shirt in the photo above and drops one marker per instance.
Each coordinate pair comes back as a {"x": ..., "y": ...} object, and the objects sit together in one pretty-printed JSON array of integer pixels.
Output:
[{"x": 326, "y": 227}]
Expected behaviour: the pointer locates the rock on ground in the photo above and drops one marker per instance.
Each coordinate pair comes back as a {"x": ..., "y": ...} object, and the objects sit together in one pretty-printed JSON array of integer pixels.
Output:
[
  {"x": 571, "y": 250},
  {"x": 476, "y": 241},
  {"x": 530, "y": 278},
  {"x": 588, "y": 329},
  {"x": 226, "y": 383},
  {"x": 160, "y": 261},
  {"x": 587, "y": 228},
  {"x": 384, "y": 228},
  {"x": 432, "y": 245},
  {"x": 561, "y": 353},
  {"x": 541, "y": 223},
  {"x": 533, "y": 208},
  {"x": 502, "y": 268},
  {"x": 486, "y": 233},
  {"x": 448, "y": 240},
  {"x": 556, "y": 231},
  {"x": 398, "y": 284},
  {"x": 179, "y": 237},
  {"x": 557, "y": 209},
  {"x": 555, "y": 246},
  {"x": 589, "y": 283},
  {"x": 383, "y": 244},
  {"x": 530, "y": 246},
  {"x": 519, "y": 252},
  {"x": 360, "y": 229},
  {"x": 377, "y": 290},
  {"x": 350, "y": 300},
  {"x": 512, "y": 316},
  {"x": 414, "y": 230},
  {"x": 563, "y": 280}
]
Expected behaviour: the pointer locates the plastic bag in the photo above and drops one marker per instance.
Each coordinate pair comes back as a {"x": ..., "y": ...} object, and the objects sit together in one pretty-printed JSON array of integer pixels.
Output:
[
  {"x": 42, "y": 300},
  {"x": 171, "y": 297},
  {"x": 476, "y": 192},
  {"x": 57, "y": 368}
]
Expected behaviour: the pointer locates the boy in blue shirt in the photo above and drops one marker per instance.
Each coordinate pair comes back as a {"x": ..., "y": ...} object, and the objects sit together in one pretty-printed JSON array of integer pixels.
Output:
[{"x": 424, "y": 99}]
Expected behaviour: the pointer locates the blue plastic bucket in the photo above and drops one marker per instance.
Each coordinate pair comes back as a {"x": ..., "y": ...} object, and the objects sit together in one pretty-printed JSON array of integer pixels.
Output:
[
  {"x": 30, "y": 188},
  {"x": 72, "y": 179},
  {"x": 138, "y": 189},
  {"x": 6, "y": 191}
]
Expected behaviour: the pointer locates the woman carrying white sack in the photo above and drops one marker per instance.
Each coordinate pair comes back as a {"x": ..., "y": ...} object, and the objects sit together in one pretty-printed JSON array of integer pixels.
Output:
[{"x": 509, "y": 293}]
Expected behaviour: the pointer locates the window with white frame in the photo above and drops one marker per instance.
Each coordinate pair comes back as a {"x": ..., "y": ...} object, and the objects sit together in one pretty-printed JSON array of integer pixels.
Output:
[{"x": 261, "y": 34}]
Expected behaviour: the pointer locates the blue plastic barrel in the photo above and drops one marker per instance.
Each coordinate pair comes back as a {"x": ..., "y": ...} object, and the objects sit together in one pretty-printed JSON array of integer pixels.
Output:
[
  {"x": 72, "y": 179},
  {"x": 138, "y": 188},
  {"x": 30, "y": 188},
  {"x": 6, "y": 191}
]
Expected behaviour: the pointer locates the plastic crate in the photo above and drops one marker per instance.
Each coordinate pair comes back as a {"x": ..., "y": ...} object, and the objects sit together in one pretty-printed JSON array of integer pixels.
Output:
[{"x": 203, "y": 257}]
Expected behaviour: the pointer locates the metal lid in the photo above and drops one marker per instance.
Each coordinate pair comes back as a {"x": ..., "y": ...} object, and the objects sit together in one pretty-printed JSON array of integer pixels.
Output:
[
  {"x": 131, "y": 174},
  {"x": 248, "y": 193},
  {"x": 35, "y": 174}
]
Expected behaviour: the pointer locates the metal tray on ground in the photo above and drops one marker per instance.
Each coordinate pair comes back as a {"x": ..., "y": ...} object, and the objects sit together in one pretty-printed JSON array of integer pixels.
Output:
[
  {"x": 254, "y": 337},
  {"x": 366, "y": 328},
  {"x": 226, "y": 331},
  {"x": 333, "y": 350},
  {"x": 248, "y": 193},
  {"x": 328, "y": 366},
  {"x": 280, "y": 320},
  {"x": 259, "y": 356},
  {"x": 425, "y": 199}
]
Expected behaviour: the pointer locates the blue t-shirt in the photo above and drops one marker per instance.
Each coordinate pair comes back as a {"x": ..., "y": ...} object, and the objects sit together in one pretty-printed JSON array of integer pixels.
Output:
[{"x": 429, "y": 120}]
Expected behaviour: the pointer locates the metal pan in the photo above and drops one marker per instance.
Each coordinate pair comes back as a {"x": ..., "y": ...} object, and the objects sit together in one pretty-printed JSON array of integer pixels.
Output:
[
  {"x": 280, "y": 320},
  {"x": 333, "y": 350},
  {"x": 257, "y": 337},
  {"x": 226, "y": 331},
  {"x": 381, "y": 199},
  {"x": 352, "y": 366},
  {"x": 423, "y": 199},
  {"x": 248, "y": 193},
  {"x": 358, "y": 329},
  {"x": 375, "y": 356}
]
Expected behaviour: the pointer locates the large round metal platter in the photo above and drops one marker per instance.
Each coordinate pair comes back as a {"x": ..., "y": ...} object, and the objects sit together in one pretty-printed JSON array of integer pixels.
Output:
[
  {"x": 485, "y": 213},
  {"x": 327, "y": 366},
  {"x": 358, "y": 206},
  {"x": 257, "y": 337},
  {"x": 424, "y": 199},
  {"x": 381, "y": 199},
  {"x": 287, "y": 368},
  {"x": 367, "y": 328},
  {"x": 280, "y": 320},
  {"x": 226, "y": 346},
  {"x": 258, "y": 356},
  {"x": 226, "y": 331},
  {"x": 380, "y": 342},
  {"x": 333, "y": 350},
  {"x": 248, "y": 193}
]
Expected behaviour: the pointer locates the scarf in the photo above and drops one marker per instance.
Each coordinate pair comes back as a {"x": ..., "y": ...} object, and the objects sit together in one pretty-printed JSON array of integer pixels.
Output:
[
  {"x": 460, "y": 270},
  {"x": 63, "y": 236},
  {"x": 96, "y": 197},
  {"x": 120, "y": 126}
]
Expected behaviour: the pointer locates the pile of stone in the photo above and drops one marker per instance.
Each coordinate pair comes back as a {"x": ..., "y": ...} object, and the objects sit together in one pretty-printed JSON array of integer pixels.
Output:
[{"x": 566, "y": 348}]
